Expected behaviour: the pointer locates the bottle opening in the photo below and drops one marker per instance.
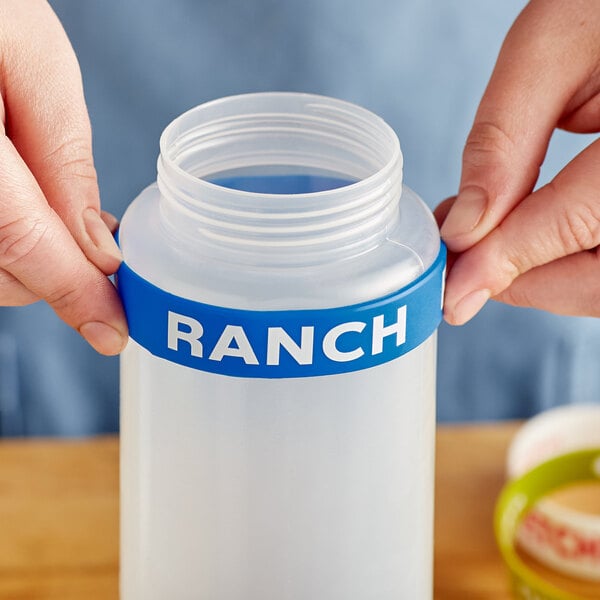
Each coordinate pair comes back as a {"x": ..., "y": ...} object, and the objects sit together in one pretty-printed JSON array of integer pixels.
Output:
[
  {"x": 295, "y": 172},
  {"x": 285, "y": 183}
]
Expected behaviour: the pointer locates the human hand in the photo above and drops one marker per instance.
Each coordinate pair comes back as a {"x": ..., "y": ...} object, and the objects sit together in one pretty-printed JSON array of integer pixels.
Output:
[
  {"x": 535, "y": 249},
  {"x": 55, "y": 244}
]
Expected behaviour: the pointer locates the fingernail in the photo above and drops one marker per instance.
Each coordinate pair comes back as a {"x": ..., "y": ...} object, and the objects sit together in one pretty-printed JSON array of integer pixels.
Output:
[
  {"x": 103, "y": 338},
  {"x": 466, "y": 213},
  {"x": 468, "y": 307},
  {"x": 100, "y": 234}
]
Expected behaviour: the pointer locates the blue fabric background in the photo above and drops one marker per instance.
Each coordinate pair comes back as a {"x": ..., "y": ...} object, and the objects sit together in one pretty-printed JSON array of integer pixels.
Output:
[{"x": 420, "y": 65}]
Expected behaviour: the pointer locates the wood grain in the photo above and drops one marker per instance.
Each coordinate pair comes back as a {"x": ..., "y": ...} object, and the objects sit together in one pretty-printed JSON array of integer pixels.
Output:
[
  {"x": 59, "y": 517},
  {"x": 59, "y": 520}
]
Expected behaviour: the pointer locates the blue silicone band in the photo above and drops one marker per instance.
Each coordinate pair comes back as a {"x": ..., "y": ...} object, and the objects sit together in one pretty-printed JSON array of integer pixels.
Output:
[{"x": 282, "y": 344}]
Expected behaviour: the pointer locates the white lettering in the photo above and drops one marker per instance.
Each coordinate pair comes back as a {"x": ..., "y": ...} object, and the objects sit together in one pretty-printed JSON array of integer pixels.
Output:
[
  {"x": 242, "y": 348},
  {"x": 280, "y": 338},
  {"x": 380, "y": 332},
  {"x": 192, "y": 337},
  {"x": 330, "y": 348},
  {"x": 234, "y": 342}
]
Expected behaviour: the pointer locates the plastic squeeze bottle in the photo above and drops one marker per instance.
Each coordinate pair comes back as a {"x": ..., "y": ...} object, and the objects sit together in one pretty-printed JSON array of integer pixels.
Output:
[{"x": 283, "y": 291}]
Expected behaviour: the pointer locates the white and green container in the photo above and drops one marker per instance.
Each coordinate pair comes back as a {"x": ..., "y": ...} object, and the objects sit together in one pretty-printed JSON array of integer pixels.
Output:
[{"x": 278, "y": 393}]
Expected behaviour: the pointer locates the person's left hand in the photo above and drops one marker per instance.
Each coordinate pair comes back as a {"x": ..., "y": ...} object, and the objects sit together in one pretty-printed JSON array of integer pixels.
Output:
[{"x": 535, "y": 249}]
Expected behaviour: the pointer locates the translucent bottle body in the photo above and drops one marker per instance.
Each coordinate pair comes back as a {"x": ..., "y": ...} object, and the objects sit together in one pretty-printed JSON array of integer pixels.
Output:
[{"x": 293, "y": 488}]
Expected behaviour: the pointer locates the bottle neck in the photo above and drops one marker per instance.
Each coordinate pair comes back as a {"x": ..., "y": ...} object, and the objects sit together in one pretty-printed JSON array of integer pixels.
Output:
[{"x": 271, "y": 135}]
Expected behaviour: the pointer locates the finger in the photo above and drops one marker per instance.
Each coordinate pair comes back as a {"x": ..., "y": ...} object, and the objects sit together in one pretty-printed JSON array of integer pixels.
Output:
[
  {"x": 440, "y": 213},
  {"x": 586, "y": 117},
  {"x": 442, "y": 209},
  {"x": 13, "y": 292},
  {"x": 37, "y": 249},
  {"x": 567, "y": 286},
  {"x": 558, "y": 220},
  {"x": 548, "y": 55},
  {"x": 110, "y": 221},
  {"x": 47, "y": 122}
]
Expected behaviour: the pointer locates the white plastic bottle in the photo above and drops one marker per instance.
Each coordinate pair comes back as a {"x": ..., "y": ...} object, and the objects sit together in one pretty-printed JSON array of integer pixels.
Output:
[{"x": 278, "y": 392}]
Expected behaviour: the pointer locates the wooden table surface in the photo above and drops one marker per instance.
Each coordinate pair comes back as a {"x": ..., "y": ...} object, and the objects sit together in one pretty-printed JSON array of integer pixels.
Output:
[{"x": 59, "y": 516}]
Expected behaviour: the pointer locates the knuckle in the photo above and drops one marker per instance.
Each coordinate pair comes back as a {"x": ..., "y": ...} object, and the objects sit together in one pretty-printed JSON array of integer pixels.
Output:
[
  {"x": 488, "y": 142},
  {"x": 70, "y": 160},
  {"x": 513, "y": 267},
  {"x": 517, "y": 295},
  {"x": 505, "y": 263},
  {"x": 19, "y": 239},
  {"x": 579, "y": 228},
  {"x": 13, "y": 292},
  {"x": 66, "y": 296}
]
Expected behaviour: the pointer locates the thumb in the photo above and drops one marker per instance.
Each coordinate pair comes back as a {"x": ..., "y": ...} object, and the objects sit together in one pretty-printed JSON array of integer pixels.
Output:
[
  {"x": 545, "y": 59},
  {"x": 562, "y": 219},
  {"x": 49, "y": 201}
]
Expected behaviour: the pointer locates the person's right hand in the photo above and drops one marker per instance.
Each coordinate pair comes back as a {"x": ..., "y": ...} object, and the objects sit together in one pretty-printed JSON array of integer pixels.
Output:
[{"x": 55, "y": 244}]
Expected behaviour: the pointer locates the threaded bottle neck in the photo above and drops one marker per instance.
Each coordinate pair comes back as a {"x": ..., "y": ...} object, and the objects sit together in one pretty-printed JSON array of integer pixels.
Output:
[{"x": 274, "y": 135}]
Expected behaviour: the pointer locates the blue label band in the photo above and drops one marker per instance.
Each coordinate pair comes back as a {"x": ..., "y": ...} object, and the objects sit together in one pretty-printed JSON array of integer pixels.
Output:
[{"x": 278, "y": 344}]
